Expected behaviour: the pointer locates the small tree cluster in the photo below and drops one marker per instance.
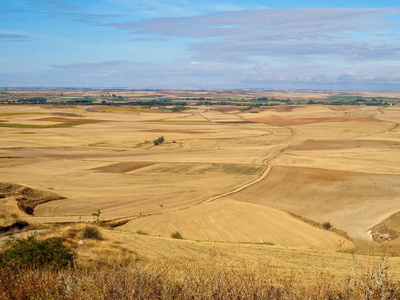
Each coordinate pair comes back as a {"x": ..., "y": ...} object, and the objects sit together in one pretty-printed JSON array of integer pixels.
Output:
[
  {"x": 327, "y": 225},
  {"x": 158, "y": 141},
  {"x": 176, "y": 235}
]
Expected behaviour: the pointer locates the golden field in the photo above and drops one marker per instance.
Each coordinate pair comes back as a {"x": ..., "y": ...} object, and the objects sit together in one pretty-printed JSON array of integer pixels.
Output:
[{"x": 225, "y": 179}]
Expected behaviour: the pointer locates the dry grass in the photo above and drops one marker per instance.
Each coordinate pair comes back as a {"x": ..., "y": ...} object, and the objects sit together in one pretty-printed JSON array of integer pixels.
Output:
[
  {"x": 202, "y": 274},
  {"x": 135, "y": 283},
  {"x": 77, "y": 121}
]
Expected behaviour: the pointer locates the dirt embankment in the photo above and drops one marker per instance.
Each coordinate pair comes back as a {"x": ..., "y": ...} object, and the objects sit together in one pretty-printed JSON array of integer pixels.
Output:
[
  {"x": 27, "y": 198},
  {"x": 387, "y": 230}
]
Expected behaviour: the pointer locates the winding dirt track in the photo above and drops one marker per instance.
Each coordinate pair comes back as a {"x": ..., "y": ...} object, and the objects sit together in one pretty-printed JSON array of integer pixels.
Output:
[{"x": 261, "y": 177}]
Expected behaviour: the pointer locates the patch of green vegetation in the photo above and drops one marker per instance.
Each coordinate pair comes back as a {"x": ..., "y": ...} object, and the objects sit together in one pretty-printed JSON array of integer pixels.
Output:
[
  {"x": 31, "y": 253},
  {"x": 22, "y": 113},
  {"x": 177, "y": 108},
  {"x": 81, "y": 101},
  {"x": 355, "y": 100},
  {"x": 251, "y": 106}
]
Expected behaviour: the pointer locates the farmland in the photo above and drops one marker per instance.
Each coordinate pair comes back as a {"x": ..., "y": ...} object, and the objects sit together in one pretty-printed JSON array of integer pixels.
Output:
[{"x": 223, "y": 175}]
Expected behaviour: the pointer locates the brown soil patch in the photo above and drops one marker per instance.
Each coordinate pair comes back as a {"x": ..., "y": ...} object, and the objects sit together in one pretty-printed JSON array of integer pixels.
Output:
[
  {"x": 314, "y": 189},
  {"x": 387, "y": 230},
  {"x": 351, "y": 201},
  {"x": 123, "y": 167},
  {"x": 345, "y": 144},
  {"x": 6, "y": 162},
  {"x": 27, "y": 198},
  {"x": 67, "y": 115},
  {"x": 342, "y": 108},
  {"x": 70, "y": 120},
  {"x": 174, "y": 131},
  {"x": 284, "y": 108}
]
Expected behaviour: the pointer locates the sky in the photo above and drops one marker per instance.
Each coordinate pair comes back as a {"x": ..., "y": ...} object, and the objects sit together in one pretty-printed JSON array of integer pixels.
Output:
[{"x": 185, "y": 44}]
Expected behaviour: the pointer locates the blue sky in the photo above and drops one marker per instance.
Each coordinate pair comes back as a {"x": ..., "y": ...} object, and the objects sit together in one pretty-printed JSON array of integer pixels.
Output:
[{"x": 334, "y": 45}]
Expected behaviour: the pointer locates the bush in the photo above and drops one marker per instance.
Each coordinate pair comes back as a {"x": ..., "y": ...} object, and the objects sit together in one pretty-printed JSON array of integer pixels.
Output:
[
  {"x": 327, "y": 225},
  {"x": 158, "y": 141},
  {"x": 141, "y": 232},
  {"x": 176, "y": 235},
  {"x": 91, "y": 232},
  {"x": 31, "y": 253}
]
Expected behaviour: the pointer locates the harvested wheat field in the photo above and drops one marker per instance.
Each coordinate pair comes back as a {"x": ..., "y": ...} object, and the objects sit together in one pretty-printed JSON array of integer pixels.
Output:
[
  {"x": 272, "y": 174},
  {"x": 233, "y": 221}
]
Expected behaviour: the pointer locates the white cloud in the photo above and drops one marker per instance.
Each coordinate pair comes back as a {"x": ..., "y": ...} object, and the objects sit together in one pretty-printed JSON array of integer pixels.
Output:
[{"x": 349, "y": 34}]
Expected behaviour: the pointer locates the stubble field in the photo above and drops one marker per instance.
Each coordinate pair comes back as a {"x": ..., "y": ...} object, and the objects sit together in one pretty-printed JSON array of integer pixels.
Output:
[{"x": 221, "y": 175}]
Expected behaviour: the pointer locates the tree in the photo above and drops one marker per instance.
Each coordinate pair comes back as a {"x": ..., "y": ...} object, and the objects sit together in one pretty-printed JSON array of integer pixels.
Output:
[
  {"x": 327, "y": 225},
  {"x": 97, "y": 215},
  {"x": 158, "y": 141}
]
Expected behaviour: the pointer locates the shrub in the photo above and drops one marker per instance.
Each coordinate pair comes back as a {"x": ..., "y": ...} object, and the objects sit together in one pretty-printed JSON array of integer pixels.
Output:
[
  {"x": 31, "y": 253},
  {"x": 158, "y": 141},
  {"x": 91, "y": 232},
  {"x": 176, "y": 235},
  {"x": 141, "y": 232},
  {"x": 327, "y": 225}
]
